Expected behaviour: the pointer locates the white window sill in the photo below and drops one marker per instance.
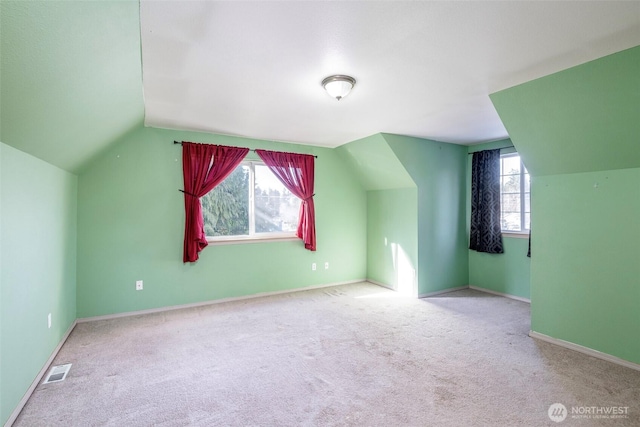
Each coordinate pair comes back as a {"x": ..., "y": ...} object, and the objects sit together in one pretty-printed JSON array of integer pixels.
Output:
[
  {"x": 234, "y": 240},
  {"x": 516, "y": 234}
]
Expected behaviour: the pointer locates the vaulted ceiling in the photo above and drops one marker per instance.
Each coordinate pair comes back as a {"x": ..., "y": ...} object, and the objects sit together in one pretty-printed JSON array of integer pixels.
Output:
[{"x": 75, "y": 76}]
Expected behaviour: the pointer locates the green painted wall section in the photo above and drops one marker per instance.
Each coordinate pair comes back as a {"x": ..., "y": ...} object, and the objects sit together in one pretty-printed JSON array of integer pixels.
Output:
[
  {"x": 131, "y": 220},
  {"x": 510, "y": 272},
  {"x": 71, "y": 76},
  {"x": 583, "y": 119},
  {"x": 3, "y": 417},
  {"x": 392, "y": 238},
  {"x": 585, "y": 267},
  {"x": 375, "y": 164},
  {"x": 503, "y": 144},
  {"x": 38, "y": 276},
  {"x": 439, "y": 171},
  {"x": 578, "y": 133}
]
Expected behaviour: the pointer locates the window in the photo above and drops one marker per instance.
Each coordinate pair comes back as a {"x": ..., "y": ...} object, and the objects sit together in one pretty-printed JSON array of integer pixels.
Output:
[
  {"x": 515, "y": 195},
  {"x": 251, "y": 203}
]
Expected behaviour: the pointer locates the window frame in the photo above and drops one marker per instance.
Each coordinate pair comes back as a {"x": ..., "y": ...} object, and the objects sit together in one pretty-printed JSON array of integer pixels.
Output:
[
  {"x": 523, "y": 232},
  {"x": 252, "y": 237}
]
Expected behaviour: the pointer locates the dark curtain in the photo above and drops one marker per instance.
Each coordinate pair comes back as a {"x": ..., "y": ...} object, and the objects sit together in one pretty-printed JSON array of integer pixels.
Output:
[
  {"x": 203, "y": 166},
  {"x": 486, "y": 234},
  {"x": 296, "y": 172},
  {"x": 529, "y": 251}
]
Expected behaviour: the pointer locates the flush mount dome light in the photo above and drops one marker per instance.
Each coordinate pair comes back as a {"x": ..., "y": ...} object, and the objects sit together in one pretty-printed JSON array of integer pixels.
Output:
[{"x": 338, "y": 86}]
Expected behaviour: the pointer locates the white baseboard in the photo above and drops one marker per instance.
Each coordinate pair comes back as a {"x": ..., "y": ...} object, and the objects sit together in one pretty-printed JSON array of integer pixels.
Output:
[
  {"x": 444, "y": 291},
  {"x": 459, "y": 288},
  {"x": 489, "y": 291},
  {"x": 585, "y": 350},
  {"x": 36, "y": 381},
  {"x": 211, "y": 302},
  {"x": 384, "y": 285},
  {"x": 427, "y": 295}
]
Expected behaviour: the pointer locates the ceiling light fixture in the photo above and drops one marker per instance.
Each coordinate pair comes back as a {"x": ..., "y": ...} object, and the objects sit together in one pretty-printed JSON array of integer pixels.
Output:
[{"x": 338, "y": 86}]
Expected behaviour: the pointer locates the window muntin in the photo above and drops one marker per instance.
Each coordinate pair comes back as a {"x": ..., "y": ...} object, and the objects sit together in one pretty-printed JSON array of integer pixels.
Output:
[
  {"x": 515, "y": 195},
  {"x": 251, "y": 203}
]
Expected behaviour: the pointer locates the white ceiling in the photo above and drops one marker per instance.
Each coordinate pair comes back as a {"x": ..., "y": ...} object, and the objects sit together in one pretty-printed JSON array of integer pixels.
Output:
[{"x": 423, "y": 68}]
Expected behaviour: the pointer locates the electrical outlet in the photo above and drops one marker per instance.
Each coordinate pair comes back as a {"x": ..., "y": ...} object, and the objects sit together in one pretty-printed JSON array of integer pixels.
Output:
[
  {"x": 49, "y": 320},
  {"x": 313, "y": 266},
  {"x": 326, "y": 265},
  {"x": 138, "y": 285}
]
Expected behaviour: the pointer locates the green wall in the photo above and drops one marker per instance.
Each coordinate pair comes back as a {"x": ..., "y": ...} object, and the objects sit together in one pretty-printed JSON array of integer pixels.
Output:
[
  {"x": 392, "y": 238},
  {"x": 3, "y": 417},
  {"x": 510, "y": 272},
  {"x": 392, "y": 212},
  {"x": 38, "y": 276},
  {"x": 586, "y": 260},
  {"x": 439, "y": 171},
  {"x": 578, "y": 134},
  {"x": 131, "y": 219}
]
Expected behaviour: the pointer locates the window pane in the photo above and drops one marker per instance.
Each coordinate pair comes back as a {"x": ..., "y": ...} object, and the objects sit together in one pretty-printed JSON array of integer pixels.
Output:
[
  {"x": 511, "y": 184},
  {"x": 226, "y": 207},
  {"x": 510, "y": 165},
  {"x": 510, "y": 203},
  {"x": 512, "y": 171},
  {"x": 527, "y": 221},
  {"x": 276, "y": 209},
  {"x": 511, "y": 221}
]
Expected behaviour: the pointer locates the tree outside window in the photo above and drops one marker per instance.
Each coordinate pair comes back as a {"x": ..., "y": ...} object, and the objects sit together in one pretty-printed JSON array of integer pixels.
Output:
[{"x": 232, "y": 210}]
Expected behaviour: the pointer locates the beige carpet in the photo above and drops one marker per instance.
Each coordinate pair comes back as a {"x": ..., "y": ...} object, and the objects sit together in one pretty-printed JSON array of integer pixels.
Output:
[{"x": 346, "y": 355}]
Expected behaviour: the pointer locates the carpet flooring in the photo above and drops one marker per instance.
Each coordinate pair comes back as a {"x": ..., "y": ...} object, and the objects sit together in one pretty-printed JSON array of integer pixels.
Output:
[{"x": 352, "y": 355}]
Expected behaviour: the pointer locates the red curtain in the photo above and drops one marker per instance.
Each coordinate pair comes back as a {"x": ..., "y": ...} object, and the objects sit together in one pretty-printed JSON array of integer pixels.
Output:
[
  {"x": 203, "y": 166},
  {"x": 296, "y": 172}
]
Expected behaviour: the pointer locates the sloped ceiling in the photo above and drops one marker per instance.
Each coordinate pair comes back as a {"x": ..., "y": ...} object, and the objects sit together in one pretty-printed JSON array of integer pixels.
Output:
[
  {"x": 583, "y": 119},
  {"x": 375, "y": 164},
  {"x": 71, "y": 78}
]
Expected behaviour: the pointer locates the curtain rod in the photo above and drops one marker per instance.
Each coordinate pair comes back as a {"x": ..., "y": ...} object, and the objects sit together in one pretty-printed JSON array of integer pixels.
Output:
[
  {"x": 251, "y": 149},
  {"x": 501, "y": 148}
]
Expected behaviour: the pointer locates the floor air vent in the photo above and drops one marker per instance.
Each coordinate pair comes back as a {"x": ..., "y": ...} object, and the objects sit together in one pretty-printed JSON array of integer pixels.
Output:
[{"x": 57, "y": 374}]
